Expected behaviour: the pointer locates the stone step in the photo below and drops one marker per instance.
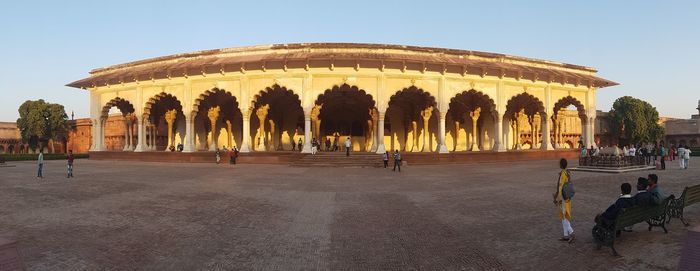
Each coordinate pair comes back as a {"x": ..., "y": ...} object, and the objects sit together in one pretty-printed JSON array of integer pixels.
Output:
[{"x": 338, "y": 159}]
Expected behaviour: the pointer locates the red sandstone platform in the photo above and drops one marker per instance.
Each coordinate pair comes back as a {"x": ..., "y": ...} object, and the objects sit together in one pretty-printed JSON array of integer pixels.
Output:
[{"x": 286, "y": 157}]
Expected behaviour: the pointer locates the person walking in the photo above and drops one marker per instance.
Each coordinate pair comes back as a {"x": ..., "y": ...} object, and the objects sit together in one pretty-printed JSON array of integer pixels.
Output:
[
  {"x": 299, "y": 144},
  {"x": 397, "y": 160},
  {"x": 686, "y": 157},
  {"x": 564, "y": 204},
  {"x": 385, "y": 158},
  {"x": 347, "y": 146},
  {"x": 40, "y": 163},
  {"x": 235, "y": 154},
  {"x": 70, "y": 159},
  {"x": 314, "y": 146},
  {"x": 218, "y": 156},
  {"x": 681, "y": 153},
  {"x": 662, "y": 151}
]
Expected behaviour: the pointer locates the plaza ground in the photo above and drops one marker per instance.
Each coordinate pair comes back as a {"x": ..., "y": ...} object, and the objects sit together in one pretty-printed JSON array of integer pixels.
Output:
[{"x": 159, "y": 216}]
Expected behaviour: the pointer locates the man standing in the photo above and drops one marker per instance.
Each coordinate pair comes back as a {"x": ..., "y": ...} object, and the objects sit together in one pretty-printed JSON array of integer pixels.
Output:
[
  {"x": 686, "y": 157},
  {"x": 681, "y": 154},
  {"x": 70, "y": 164},
  {"x": 662, "y": 152},
  {"x": 40, "y": 163},
  {"x": 299, "y": 144},
  {"x": 397, "y": 160},
  {"x": 348, "y": 144},
  {"x": 385, "y": 158}
]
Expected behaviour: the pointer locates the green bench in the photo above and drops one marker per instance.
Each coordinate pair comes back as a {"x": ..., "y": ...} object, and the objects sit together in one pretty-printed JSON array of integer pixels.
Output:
[
  {"x": 654, "y": 216},
  {"x": 690, "y": 196}
]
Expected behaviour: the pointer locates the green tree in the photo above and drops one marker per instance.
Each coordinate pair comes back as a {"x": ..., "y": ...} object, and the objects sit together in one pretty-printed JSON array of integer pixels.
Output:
[
  {"x": 40, "y": 122},
  {"x": 635, "y": 121}
]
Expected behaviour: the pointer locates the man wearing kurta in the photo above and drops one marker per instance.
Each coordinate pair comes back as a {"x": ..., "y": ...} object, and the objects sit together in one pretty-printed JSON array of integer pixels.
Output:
[{"x": 564, "y": 206}]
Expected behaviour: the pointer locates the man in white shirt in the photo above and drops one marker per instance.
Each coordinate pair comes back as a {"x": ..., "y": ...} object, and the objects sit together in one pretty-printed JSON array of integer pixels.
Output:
[
  {"x": 633, "y": 151},
  {"x": 347, "y": 146},
  {"x": 681, "y": 153}
]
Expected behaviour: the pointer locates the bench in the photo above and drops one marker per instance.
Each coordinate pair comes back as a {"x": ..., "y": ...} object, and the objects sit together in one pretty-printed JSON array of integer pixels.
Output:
[
  {"x": 654, "y": 216},
  {"x": 690, "y": 196}
]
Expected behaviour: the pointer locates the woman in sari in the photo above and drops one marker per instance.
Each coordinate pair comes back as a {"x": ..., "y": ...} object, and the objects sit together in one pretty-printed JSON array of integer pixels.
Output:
[{"x": 564, "y": 205}]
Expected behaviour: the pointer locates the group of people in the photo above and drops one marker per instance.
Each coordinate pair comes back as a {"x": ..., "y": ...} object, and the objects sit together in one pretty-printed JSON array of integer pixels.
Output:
[
  {"x": 232, "y": 154},
  {"x": 649, "y": 193},
  {"x": 329, "y": 146},
  {"x": 647, "y": 154},
  {"x": 397, "y": 160},
  {"x": 40, "y": 164}
]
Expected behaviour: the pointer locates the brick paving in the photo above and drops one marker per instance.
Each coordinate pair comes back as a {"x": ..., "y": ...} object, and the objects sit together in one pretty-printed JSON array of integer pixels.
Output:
[{"x": 158, "y": 216}]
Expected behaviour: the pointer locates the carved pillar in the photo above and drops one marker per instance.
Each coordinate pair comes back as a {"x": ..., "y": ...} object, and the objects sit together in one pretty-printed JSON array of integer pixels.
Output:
[
  {"x": 533, "y": 136},
  {"x": 127, "y": 124},
  {"x": 316, "y": 121},
  {"x": 426, "y": 114},
  {"x": 189, "y": 134},
  {"x": 374, "y": 114},
  {"x": 271, "y": 138},
  {"x": 213, "y": 115},
  {"x": 93, "y": 135},
  {"x": 229, "y": 133},
  {"x": 414, "y": 126},
  {"x": 442, "y": 147},
  {"x": 141, "y": 135},
  {"x": 500, "y": 145},
  {"x": 307, "y": 132},
  {"x": 245, "y": 142},
  {"x": 474, "y": 115},
  {"x": 154, "y": 134},
  {"x": 380, "y": 132},
  {"x": 103, "y": 123},
  {"x": 546, "y": 144},
  {"x": 170, "y": 117},
  {"x": 261, "y": 113},
  {"x": 518, "y": 146},
  {"x": 456, "y": 136}
]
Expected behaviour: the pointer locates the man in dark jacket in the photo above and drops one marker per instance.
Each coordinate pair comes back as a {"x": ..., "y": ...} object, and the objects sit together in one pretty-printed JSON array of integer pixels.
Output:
[
  {"x": 643, "y": 198},
  {"x": 624, "y": 201}
]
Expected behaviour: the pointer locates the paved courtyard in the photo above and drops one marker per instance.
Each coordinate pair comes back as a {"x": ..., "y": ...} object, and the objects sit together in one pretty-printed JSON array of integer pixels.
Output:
[{"x": 158, "y": 216}]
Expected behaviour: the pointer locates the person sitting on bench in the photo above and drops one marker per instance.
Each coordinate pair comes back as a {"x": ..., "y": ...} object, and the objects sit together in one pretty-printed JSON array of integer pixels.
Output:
[
  {"x": 643, "y": 198},
  {"x": 607, "y": 218},
  {"x": 657, "y": 194}
]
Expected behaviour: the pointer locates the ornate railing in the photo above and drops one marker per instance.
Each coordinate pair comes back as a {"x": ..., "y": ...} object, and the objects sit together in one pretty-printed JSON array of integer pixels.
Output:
[{"x": 612, "y": 161}]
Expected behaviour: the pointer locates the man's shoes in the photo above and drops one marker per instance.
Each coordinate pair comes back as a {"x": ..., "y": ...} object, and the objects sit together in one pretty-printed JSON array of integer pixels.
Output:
[
  {"x": 572, "y": 237},
  {"x": 564, "y": 239}
]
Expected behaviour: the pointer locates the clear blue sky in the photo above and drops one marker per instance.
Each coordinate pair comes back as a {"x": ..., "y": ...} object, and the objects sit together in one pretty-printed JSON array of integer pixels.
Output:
[{"x": 650, "y": 47}]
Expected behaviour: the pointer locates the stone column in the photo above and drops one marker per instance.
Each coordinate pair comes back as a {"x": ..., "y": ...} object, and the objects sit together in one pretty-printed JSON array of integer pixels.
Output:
[
  {"x": 261, "y": 112},
  {"x": 442, "y": 147},
  {"x": 307, "y": 133},
  {"x": 189, "y": 134},
  {"x": 456, "y": 136},
  {"x": 533, "y": 134},
  {"x": 426, "y": 114},
  {"x": 316, "y": 121},
  {"x": 103, "y": 123},
  {"x": 95, "y": 135},
  {"x": 374, "y": 114},
  {"x": 592, "y": 127},
  {"x": 518, "y": 146},
  {"x": 546, "y": 145},
  {"x": 474, "y": 115},
  {"x": 213, "y": 115},
  {"x": 127, "y": 124},
  {"x": 230, "y": 135},
  {"x": 141, "y": 135},
  {"x": 271, "y": 138},
  {"x": 245, "y": 142},
  {"x": 153, "y": 133},
  {"x": 500, "y": 145},
  {"x": 380, "y": 132},
  {"x": 170, "y": 117}
]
